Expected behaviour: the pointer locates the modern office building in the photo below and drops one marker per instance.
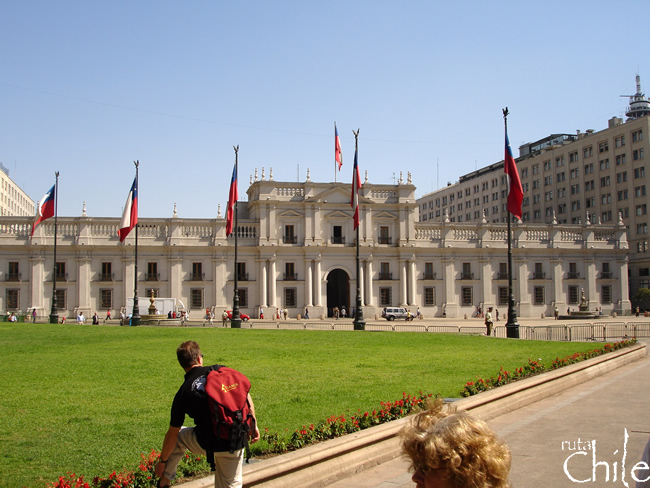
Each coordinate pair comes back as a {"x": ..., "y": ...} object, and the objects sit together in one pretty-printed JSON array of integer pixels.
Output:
[
  {"x": 297, "y": 250},
  {"x": 13, "y": 200},
  {"x": 591, "y": 177}
]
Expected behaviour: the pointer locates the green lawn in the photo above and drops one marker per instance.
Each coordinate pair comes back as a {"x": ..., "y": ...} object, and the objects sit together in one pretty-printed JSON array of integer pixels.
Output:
[{"x": 89, "y": 400}]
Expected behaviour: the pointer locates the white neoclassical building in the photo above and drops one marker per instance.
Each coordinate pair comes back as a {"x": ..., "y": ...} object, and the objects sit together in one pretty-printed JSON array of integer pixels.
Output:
[{"x": 297, "y": 250}]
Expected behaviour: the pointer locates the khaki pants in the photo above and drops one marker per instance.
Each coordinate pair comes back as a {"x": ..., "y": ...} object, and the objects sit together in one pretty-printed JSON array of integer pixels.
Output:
[{"x": 229, "y": 466}]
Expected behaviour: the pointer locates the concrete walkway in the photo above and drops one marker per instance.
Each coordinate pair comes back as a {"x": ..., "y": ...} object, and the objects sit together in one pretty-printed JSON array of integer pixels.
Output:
[{"x": 542, "y": 436}]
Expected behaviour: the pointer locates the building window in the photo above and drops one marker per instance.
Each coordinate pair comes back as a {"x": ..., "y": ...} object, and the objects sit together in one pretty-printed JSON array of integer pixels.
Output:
[
  {"x": 467, "y": 274},
  {"x": 620, "y": 160},
  {"x": 243, "y": 297},
  {"x": 604, "y": 164},
  {"x": 605, "y": 271},
  {"x": 196, "y": 297},
  {"x": 105, "y": 299},
  {"x": 637, "y": 154},
  {"x": 337, "y": 234},
  {"x": 197, "y": 272},
  {"x": 606, "y": 198},
  {"x": 290, "y": 272},
  {"x": 538, "y": 274},
  {"x": 639, "y": 191},
  {"x": 152, "y": 272},
  {"x": 13, "y": 274},
  {"x": 13, "y": 299},
  {"x": 539, "y": 295},
  {"x": 573, "y": 157},
  {"x": 621, "y": 177},
  {"x": 639, "y": 172},
  {"x": 641, "y": 210},
  {"x": 619, "y": 141},
  {"x": 428, "y": 271},
  {"x": 604, "y": 181},
  {"x": 573, "y": 295},
  {"x": 587, "y": 152},
  {"x": 642, "y": 228},
  {"x": 384, "y": 272},
  {"x": 429, "y": 295},
  {"x": 61, "y": 275},
  {"x": 385, "y": 297},
  {"x": 637, "y": 136},
  {"x": 606, "y": 294},
  {"x": 61, "y": 299},
  {"x": 289, "y": 235},
  {"x": 384, "y": 237},
  {"x": 589, "y": 168},
  {"x": 242, "y": 275},
  {"x": 503, "y": 295},
  {"x": 603, "y": 147},
  {"x": 622, "y": 195},
  {"x": 466, "y": 293},
  {"x": 107, "y": 272},
  {"x": 290, "y": 298}
]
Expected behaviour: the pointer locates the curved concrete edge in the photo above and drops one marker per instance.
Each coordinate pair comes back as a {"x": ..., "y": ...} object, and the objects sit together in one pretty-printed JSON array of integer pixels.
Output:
[{"x": 320, "y": 464}]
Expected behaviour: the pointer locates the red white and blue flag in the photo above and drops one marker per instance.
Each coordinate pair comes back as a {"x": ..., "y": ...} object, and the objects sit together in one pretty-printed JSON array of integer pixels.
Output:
[
  {"x": 338, "y": 155},
  {"x": 356, "y": 184},
  {"x": 232, "y": 201},
  {"x": 45, "y": 207},
  {"x": 515, "y": 190},
  {"x": 130, "y": 215}
]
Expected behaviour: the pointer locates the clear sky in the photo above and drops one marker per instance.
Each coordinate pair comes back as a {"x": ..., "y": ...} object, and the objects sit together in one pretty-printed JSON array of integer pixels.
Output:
[{"x": 89, "y": 87}]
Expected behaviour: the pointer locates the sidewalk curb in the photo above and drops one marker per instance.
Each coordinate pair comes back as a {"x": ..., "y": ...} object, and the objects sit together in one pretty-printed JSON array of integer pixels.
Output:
[{"x": 320, "y": 464}]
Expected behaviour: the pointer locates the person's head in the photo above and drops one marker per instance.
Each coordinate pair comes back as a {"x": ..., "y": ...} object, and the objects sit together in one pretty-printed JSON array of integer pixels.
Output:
[
  {"x": 454, "y": 450},
  {"x": 189, "y": 355}
]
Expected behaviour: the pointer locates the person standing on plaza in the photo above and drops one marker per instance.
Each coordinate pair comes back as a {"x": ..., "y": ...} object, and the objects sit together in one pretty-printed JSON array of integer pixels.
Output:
[
  {"x": 224, "y": 318},
  {"x": 201, "y": 438},
  {"x": 108, "y": 315},
  {"x": 34, "y": 315},
  {"x": 488, "y": 321},
  {"x": 80, "y": 318}
]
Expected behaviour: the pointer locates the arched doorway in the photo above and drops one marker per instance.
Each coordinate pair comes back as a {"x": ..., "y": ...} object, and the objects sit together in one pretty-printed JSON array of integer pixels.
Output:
[{"x": 338, "y": 291}]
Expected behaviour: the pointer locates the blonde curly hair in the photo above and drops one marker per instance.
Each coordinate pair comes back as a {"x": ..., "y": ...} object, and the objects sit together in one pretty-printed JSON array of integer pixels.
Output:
[{"x": 464, "y": 448}]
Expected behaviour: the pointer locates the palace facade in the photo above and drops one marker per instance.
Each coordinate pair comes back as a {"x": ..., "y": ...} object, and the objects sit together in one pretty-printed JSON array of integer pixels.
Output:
[{"x": 297, "y": 250}]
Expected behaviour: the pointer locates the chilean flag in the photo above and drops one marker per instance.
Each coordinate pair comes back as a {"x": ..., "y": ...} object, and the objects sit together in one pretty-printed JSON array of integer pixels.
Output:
[
  {"x": 338, "y": 155},
  {"x": 515, "y": 190},
  {"x": 232, "y": 200},
  {"x": 130, "y": 215},
  {"x": 45, "y": 208},
  {"x": 356, "y": 184}
]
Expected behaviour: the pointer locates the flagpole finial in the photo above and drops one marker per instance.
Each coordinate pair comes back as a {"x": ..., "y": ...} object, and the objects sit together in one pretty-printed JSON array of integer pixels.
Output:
[
  {"x": 356, "y": 134},
  {"x": 236, "y": 148},
  {"x": 136, "y": 162},
  {"x": 56, "y": 173},
  {"x": 505, "y": 112}
]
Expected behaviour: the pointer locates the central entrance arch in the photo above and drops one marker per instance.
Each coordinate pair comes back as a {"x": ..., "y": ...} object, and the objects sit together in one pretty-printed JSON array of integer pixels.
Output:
[{"x": 338, "y": 291}]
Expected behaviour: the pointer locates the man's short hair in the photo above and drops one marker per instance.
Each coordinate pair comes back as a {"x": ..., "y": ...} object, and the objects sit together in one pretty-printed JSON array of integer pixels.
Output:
[{"x": 188, "y": 354}]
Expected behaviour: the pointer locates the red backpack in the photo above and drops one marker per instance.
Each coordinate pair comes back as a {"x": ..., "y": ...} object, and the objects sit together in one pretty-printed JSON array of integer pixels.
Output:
[{"x": 227, "y": 390}]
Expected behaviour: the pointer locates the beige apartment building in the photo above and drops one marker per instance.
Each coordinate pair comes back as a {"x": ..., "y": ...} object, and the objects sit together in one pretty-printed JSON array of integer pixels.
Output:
[
  {"x": 297, "y": 250},
  {"x": 13, "y": 200},
  {"x": 588, "y": 178}
]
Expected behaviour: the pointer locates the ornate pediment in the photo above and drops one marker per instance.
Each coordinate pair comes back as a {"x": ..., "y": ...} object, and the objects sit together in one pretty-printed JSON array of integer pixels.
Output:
[
  {"x": 383, "y": 215},
  {"x": 338, "y": 214},
  {"x": 290, "y": 214}
]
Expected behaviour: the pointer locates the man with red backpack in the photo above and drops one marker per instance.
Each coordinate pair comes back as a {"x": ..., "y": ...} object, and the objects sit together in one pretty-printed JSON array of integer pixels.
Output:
[{"x": 217, "y": 399}]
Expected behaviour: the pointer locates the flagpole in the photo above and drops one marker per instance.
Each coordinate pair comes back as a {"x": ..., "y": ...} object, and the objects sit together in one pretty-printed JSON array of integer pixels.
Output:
[
  {"x": 235, "y": 321},
  {"x": 135, "y": 316},
  {"x": 358, "y": 323},
  {"x": 54, "y": 317},
  {"x": 335, "y": 162},
  {"x": 512, "y": 327}
]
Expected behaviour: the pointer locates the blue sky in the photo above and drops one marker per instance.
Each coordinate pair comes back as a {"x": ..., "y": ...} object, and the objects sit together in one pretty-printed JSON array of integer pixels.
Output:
[{"x": 89, "y": 87}]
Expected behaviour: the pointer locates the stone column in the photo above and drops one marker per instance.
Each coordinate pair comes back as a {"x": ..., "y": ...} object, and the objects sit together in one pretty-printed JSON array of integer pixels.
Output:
[
  {"x": 592, "y": 293},
  {"x": 308, "y": 283},
  {"x": 36, "y": 281},
  {"x": 262, "y": 283},
  {"x": 319, "y": 283},
  {"x": 273, "y": 293},
  {"x": 402, "y": 283},
  {"x": 413, "y": 284},
  {"x": 369, "y": 287}
]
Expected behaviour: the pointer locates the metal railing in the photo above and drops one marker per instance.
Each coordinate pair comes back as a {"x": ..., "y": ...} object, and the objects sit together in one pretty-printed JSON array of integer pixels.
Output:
[{"x": 583, "y": 332}]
